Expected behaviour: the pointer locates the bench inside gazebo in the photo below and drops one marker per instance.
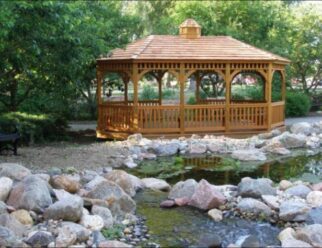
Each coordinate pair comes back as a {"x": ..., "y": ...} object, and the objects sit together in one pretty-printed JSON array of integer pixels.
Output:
[{"x": 215, "y": 68}]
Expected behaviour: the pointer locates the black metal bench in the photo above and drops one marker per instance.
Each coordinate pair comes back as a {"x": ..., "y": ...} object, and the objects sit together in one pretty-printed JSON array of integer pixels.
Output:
[{"x": 9, "y": 140}]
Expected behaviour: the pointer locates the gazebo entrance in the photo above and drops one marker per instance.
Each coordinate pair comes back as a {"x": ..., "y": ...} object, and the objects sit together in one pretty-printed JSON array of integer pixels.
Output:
[{"x": 191, "y": 58}]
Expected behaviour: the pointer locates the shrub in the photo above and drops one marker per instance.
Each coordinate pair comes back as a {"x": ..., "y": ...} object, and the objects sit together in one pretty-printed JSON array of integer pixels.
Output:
[
  {"x": 35, "y": 128},
  {"x": 191, "y": 100},
  {"x": 148, "y": 93},
  {"x": 168, "y": 93},
  {"x": 297, "y": 104}
]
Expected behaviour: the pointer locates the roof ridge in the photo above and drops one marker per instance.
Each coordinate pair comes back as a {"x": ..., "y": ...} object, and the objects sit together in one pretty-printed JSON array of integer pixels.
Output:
[{"x": 145, "y": 46}]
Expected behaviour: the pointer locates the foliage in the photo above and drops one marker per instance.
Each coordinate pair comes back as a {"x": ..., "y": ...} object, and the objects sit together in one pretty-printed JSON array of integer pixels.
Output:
[
  {"x": 35, "y": 128},
  {"x": 148, "y": 93},
  {"x": 191, "y": 100},
  {"x": 168, "y": 93},
  {"x": 246, "y": 92},
  {"x": 114, "y": 232},
  {"x": 297, "y": 104}
]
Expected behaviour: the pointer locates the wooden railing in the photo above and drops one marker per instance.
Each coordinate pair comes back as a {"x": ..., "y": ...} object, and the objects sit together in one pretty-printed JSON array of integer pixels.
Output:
[
  {"x": 204, "y": 117},
  {"x": 154, "y": 119},
  {"x": 116, "y": 117},
  {"x": 278, "y": 113},
  {"x": 248, "y": 116},
  {"x": 130, "y": 103},
  {"x": 211, "y": 101}
]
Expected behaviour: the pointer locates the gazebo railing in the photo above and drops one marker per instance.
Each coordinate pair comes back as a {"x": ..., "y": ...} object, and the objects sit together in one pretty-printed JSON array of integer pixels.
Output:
[{"x": 278, "y": 115}]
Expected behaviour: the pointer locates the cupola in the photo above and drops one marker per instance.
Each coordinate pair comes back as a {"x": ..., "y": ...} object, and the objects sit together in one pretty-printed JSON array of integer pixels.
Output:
[{"x": 190, "y": 29}]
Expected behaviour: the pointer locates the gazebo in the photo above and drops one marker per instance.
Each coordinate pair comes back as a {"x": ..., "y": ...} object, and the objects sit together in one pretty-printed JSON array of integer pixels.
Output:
[{"x": 190, "y": 58}]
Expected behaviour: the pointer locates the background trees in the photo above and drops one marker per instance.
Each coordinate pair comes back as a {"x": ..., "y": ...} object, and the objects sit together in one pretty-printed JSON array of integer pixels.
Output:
[{"x": 48, "y": 48}]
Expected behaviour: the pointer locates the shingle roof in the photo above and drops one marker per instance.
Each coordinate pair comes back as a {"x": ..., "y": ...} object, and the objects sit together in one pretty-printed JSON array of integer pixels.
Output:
[{"x": 170, "y": 47}]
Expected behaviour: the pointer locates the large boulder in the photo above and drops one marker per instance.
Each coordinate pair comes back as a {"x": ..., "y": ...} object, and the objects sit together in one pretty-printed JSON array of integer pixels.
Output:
[
  {"x": 290, "y": 140},
  {"x": 82, "y": 233},
  {"x": 271, "y": 201},
  {"x": 293, "y": 211},
  {"x": 32, "y": 193},
  {"x": 250, "y": 205},
  {"x": 314, "y": 198},
  {"x": 255, "y": 188},
  {"x": 92, "y": 222},
  {"x": 65, "y": 182},
  {"x": 183, "y": 189},
  {"x": 249, "y": 155},
  {"x": 299, "y": 190},
  {"x": 65, "y": 237},
  {"x": 118, "y": 201},
  {"x": 197, "y": 148},
  {"x": 206, "y": 196},
  {"x": 314, "y": 216},
  {"x": 5, "y": 187},
  {"x": 302, "y": 128},
  {"x": 166, "y": 149},
  {"x": 156, "y": 184},
  {"x": 14, "y": 225},
  {"x": 129, "y": 183},
  {"x": 311, "y": 234},
  {"x": 13, "y": 171},
  {"x": 105, "y": 213},
  {"x": 69, "y": 208}
]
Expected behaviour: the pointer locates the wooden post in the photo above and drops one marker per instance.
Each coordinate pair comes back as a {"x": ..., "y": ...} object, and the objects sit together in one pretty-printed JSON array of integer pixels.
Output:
[
  {"x": 269, "y": 96},
  {"x": 126, "y": 92},
  {"x": 228, "y": 96},
  {"x": 182, "y": 103},
  {"x": 283, "y": 86},
  {"x": 99, "y": 98},
  {"x": 135, "y": 79}
]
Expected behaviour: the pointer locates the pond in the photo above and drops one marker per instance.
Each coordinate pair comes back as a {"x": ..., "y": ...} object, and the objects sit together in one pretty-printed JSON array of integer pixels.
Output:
[{"x": 187, "y": 226}]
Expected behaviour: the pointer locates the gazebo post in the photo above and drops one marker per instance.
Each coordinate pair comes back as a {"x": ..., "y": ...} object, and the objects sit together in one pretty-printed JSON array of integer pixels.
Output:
[
  {"x": 126, "y": 92},
  {"x": 181, "y": 82},
  {"x": 135, "y": 79},
  {"x": 228, "y": 95},
  {"x": 99, "y": 96},
  {"x": 268, "y": 94},
  {"x": 283, "y": 86}
]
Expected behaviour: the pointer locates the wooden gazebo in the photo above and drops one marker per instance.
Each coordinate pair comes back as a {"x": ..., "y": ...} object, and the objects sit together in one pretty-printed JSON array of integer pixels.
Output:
[{"x": 186, "y": 55}]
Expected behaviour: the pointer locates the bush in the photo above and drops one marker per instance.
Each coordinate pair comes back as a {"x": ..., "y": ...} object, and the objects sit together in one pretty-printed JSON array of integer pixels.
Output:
[
  {"x": 34, "y": 128},
  {"x": 297, "y": 104},
  {"x": 168, "y": 93},
  {"x": 148, "y": 93},
  {"x": 191, "y": 100}
]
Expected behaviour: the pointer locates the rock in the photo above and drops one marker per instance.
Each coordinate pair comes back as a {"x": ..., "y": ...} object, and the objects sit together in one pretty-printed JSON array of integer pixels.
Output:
[
  {"x": 220, "y": 146},
  {"x": 210, "y": 241},
  {"x": 134, "y": 138},
  {"x": 43, "y": 176},
  {"x": 23, "y": 217},
  {"x": 293, "y": 211},
  {"x": 311, "y": 234},
  {"x": 206, "y": 196},
  {"x": 317, "y": 187},
  {"x": 255, "y": 188},
  {"x": 5, "y": 187},
  {"x": 31, "y": 193},
  {"x": 289, "y": 140},
  {"x": 167, "y": 149},
  {"x": 301, "y": 128},
  {"x": 183, "y": 189},
  {"x": 65, "y": 237},
  {"x": 69, "y": 208},
  {"x": 93, "y": 183},
  {"x": 249, "y": 155},
  {"x": 8, "y": 238},
  {"x": 13, "y": 171},
  {"x": 285, "y": 184},
  {"x": 105, "y": 213},
  {"x": 182, "y": 201},
  {"x": 290, "y": 243},
  {"x": 156, "y": 184},
  {"x": 13, "y": 224},
  {"x": 287, "y": 233},
  {"x": 65, "y": 182},
  {"x": 197, "y": 148},
  {"x": 248, "y": 241},
  {"x": 271, "y": 201},
  {"x": 314, "y": 216},
  {"x": 215, "y": 214},
  {"x": 82, "y": 234},
  {"x": 92, "y": 222},
  {"x": 113, "y": 244},
  {"x": 3, "y": 208},
  {"x": 167, "y": 204},
  {"x": 314, "y": 198},
  {"x": 118, "y": 201},
  {"x": 129, "y": 163},
  {"x": 40, "y": 239},
  {"x": 87, "y": 176},
  {"x": 148, "y": 156},
  {"x": 313, "y": 142},
  {"x": 299, "y": 190},
  {"x": 250, "y": 205},
  {"x": 129, "y": 183}
]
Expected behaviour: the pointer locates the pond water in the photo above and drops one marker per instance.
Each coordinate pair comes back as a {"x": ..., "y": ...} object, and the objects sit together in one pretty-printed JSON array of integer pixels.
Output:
[{"x": 187, "y": 226}]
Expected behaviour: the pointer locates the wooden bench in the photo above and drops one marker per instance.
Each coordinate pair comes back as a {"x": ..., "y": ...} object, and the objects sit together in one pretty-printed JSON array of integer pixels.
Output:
[{"x": 9, "y": 140}]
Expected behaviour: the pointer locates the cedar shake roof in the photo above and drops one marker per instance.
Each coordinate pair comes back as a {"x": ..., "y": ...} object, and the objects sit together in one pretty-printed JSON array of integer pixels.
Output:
[{"x": 193, "y": 47}]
